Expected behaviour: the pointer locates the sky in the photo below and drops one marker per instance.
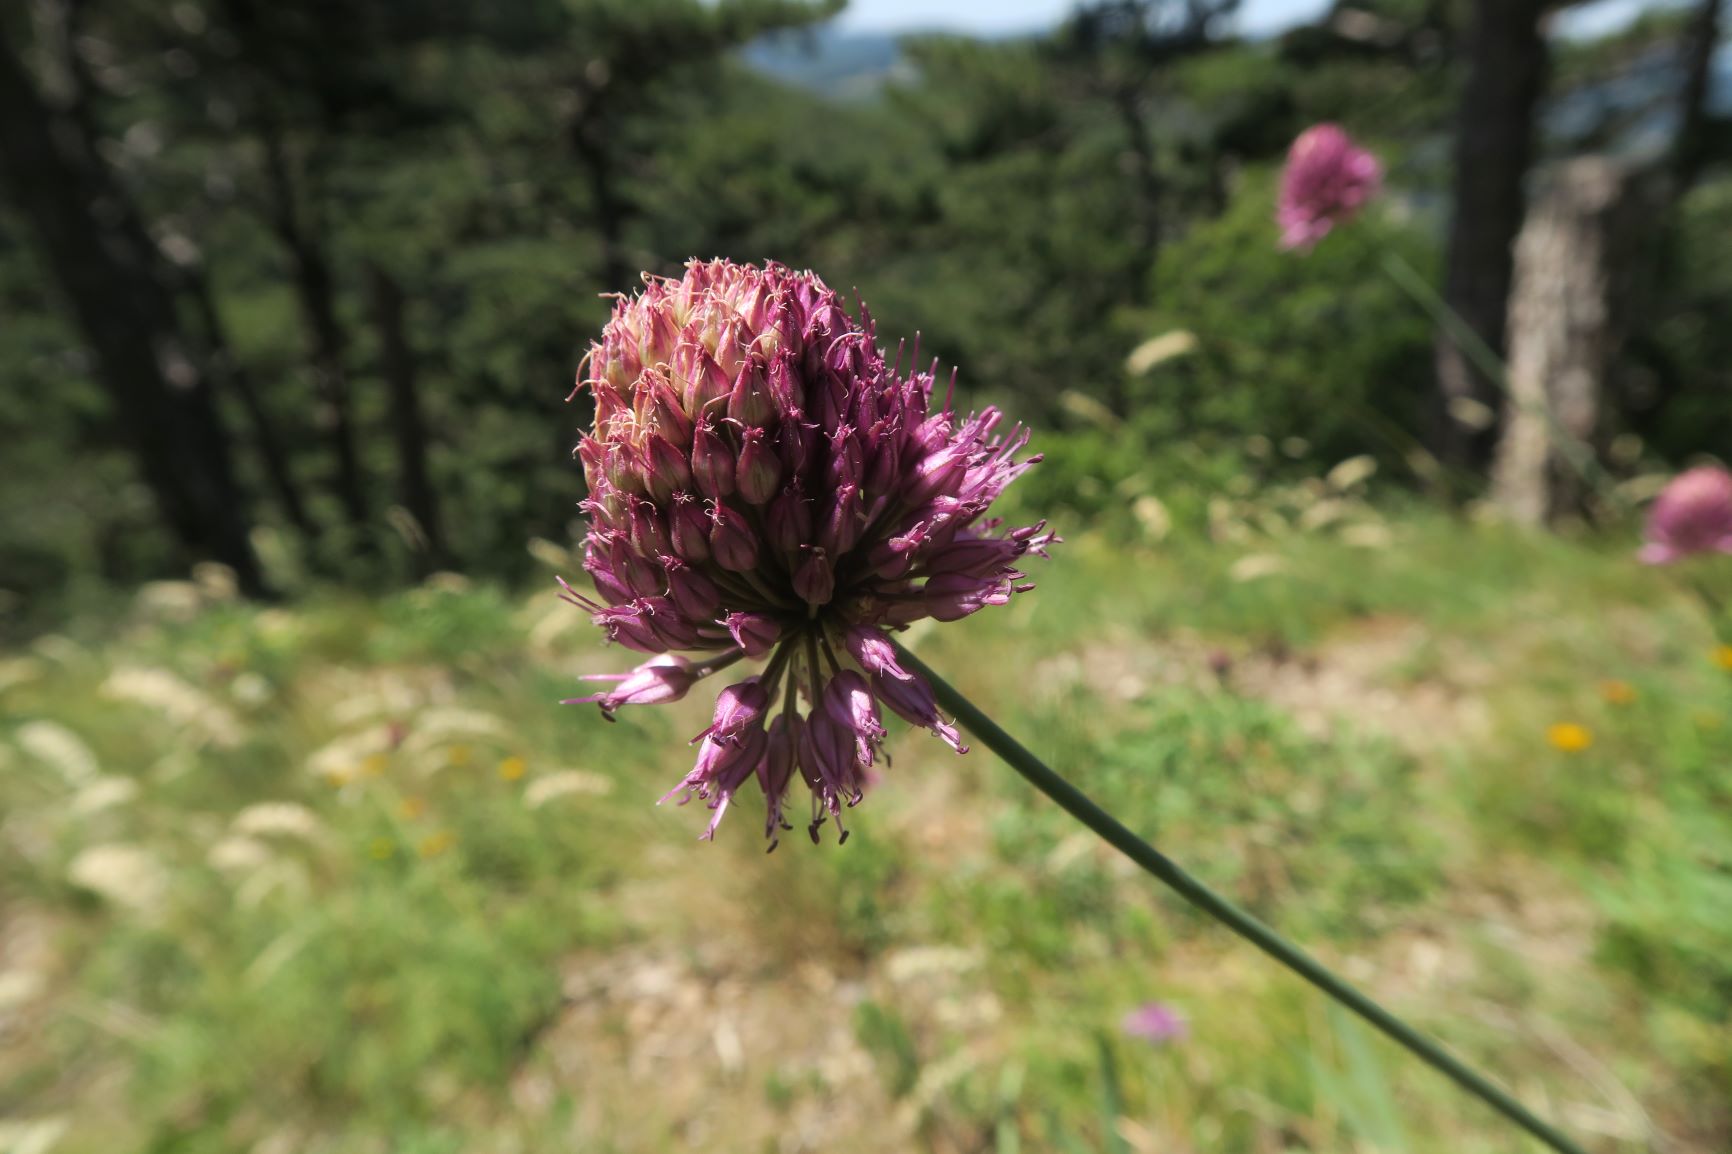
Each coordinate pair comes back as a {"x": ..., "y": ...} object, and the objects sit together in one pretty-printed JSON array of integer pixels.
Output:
[{"x": 1256, "y": 17}]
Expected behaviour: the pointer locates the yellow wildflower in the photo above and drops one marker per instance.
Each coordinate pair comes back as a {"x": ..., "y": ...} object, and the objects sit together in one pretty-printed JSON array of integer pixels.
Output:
[
  {"x": 435, "y": 844},
  {"x": 1723, "y": 657},
  {"x": 457, "y": 756},
  {"x": 411, "y": 808},
  {"x": 513, "y": 768},
  {"x": 374, "y": 764},
  {"x": 1568, "y": 737},
  {"x": 381, "y": 848}
]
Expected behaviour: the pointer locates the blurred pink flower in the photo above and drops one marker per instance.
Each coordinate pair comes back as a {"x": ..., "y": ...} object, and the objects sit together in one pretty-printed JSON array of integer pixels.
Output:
[
  {"x": 1328, "y": 178},
  {"x": 1155, "y": 1022},
  {"x": 1692, "y": 515},
  {"x": 764, "y": 485}
]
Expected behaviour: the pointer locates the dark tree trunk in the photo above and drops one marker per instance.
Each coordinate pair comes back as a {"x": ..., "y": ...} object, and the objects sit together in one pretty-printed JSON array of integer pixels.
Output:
[
  {"x": 589, "y": 144},
  {"x": 1690, "y": 148},
  {"x": 316, "y": 295},
  {"x": 1507, "y": 64},
  {"x": 408, "y": 426},
  {"x": 234, "y": 376},
  {"x": 1147, "y": 180},
  {"x": 107, "y": 267}
]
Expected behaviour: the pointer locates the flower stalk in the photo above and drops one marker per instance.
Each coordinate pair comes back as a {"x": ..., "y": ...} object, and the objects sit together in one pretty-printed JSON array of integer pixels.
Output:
[{"x": 1078, "y": 804}]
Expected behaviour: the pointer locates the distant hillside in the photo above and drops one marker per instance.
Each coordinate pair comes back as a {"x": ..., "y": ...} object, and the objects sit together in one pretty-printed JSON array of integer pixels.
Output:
[{"x": 829, "y": 61}]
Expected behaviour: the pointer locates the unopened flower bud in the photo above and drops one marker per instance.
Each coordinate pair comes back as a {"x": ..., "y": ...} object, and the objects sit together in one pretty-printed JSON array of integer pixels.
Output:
[
  {"x": 756, "y": 633},
  {"x": 814, "y": 579},
  {"x": 760, "y": 471},
  {"x": 732, "y": 543}
]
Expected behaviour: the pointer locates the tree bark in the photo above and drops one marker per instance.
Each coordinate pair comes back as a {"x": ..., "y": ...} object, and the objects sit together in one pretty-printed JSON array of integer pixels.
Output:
[
  {"x": 1576, "y": 268},
  {"x": 589, "y": 145},
  {"x": 316, "y": 295},
  {"x": 96, "y": 249},
  {"x": 1147, "y": 195},
  {"x": 233, "y": 375},
  {"x": 1507, "y": 65},
  {"x": 1689, "y": 150},
  {"x": 408, "y": 426}
]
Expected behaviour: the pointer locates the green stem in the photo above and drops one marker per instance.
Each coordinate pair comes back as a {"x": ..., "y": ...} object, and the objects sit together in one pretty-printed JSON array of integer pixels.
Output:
[{"x": 1044, "y": 778}]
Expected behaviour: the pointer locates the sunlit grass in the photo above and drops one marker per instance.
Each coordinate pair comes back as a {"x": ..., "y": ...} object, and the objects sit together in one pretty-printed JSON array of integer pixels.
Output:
[{"x": 343, "y": 876}]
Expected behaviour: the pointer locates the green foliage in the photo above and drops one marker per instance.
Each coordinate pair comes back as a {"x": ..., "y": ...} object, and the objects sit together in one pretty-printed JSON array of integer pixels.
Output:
[
  {"x": 1678, "y": 392},
  {"x": 1321, "y": 346}
]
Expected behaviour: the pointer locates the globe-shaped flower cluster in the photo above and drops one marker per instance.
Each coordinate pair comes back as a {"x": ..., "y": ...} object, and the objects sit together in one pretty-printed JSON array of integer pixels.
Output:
[
  {"x": 1691, "y": 517},
  {"x": 764, "y": 485},
  {"x": 1326, "y": 180}
]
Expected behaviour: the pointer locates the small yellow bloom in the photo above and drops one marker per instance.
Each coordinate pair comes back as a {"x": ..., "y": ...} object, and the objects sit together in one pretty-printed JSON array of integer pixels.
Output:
[
  {"x": 513, "y": 768},
  {"x": 435, "y": 844},
  {"x": 1617, "y": 692},
  {"x": 1568, "y": 737},
  {"x": 381, "y": 848},
  {"x": 457, "y": 755},
  {"x": 1707, "y": 719},
  {"x": 411, "y": 808},
  {"x": 374, "y": 764},
  {"x": 1723, "y": 657}
]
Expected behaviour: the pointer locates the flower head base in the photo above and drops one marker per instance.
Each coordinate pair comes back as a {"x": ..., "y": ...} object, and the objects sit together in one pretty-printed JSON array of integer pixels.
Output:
[
  {"x": 764, "y": 485},
  {"x": 1328, "y": 178},
  {"x": 1692, "y": 515}
]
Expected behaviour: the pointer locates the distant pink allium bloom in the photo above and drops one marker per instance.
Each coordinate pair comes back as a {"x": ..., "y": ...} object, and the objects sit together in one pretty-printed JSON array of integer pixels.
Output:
[
  {"x": 764, "y": 485},
  {"x": 1155, "y": 1022},
  {"x": 1692, "y": 515},
  {"x": 1328, "y": 178}
]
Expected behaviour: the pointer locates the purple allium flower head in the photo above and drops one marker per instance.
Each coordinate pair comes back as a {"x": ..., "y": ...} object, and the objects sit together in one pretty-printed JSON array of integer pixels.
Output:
[
  {"x": 1692, "y": 515},
  {"x": 1328, "y": 178},
  {"x": 763, "y": 484},
  {"x": 1155, "y": 1022}
]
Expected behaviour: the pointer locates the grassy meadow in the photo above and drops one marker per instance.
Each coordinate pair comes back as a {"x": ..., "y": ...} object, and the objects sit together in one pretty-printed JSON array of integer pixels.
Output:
[{"x": 343, "y": 876}]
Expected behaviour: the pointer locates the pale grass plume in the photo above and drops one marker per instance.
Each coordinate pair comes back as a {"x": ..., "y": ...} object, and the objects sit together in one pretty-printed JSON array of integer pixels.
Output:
[
  {"x": 344, "y": 756},
  {"x": 19, "y": 671},
  {"x": 551, "y": 554},
  {"x": 1351, "y": 473},
  {"x": 1158, "y": 350},
  {"x": 1151, "y": 513},
  {"x": 238, "y": 855},
  {"x": 175, "y": 601},
  {"x": 60, "y": 749},
  {"x": 1368, "y": 535},
  {"x": 278, "y": 819},
  {"x": 356, "y": 698},
  {"x": 277, "y": 877},
  {"x": 215, "y": 581},
  {"x": 439, "y": 728},
  {"x": 547, "y": 620},
  {"x": 250, "y": 689},
  {"x": 104, "y": 792},
  {"x": 33, "y": 1135},
  {"x": 183, "y": 704},
  {"x": 565, "y": 783},
  {"x": 1322, "y": 514},
  {"x": 1256, "y": 566},
  {"x": 127, "y": 876},
  {"x": 18, "y": 989}
]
